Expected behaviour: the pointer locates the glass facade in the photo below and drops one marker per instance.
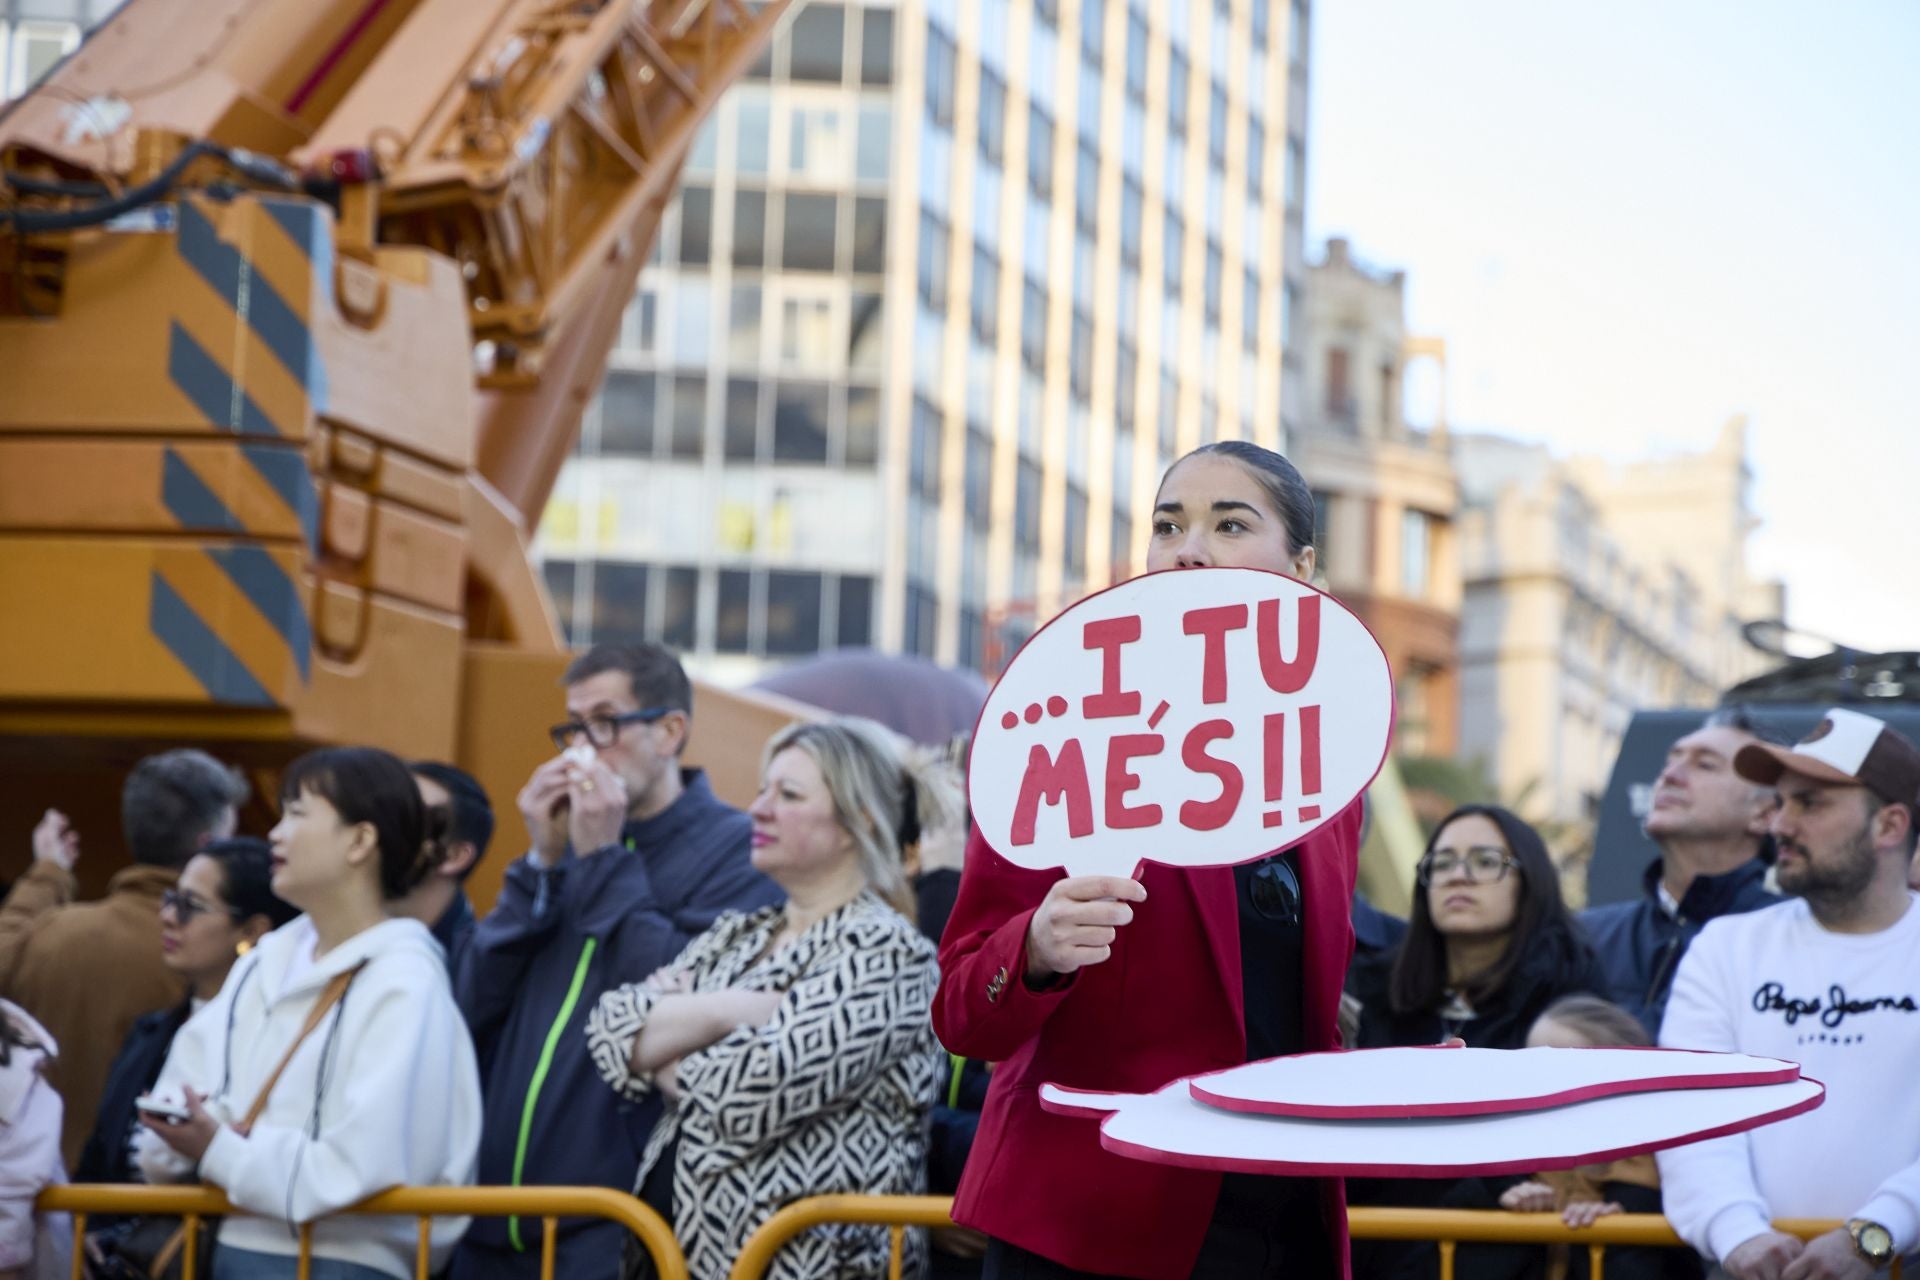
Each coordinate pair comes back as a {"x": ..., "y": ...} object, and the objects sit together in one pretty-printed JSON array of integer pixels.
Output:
[{"x": 1083, "y": 230}]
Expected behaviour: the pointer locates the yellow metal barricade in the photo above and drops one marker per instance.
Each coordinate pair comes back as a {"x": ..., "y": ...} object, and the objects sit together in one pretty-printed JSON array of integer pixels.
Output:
[
  {"x": 549, "y": 1204},
  {"x": 1449, "y": 1228},
  {"x": 897, "y": 1212}
]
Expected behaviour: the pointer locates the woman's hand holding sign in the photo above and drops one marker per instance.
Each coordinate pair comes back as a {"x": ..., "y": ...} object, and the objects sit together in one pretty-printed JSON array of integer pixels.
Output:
[{"x": 1077, "y": 923}]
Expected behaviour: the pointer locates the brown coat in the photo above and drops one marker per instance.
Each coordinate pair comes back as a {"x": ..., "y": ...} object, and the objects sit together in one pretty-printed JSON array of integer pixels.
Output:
[{"x": 86, "y": 971}]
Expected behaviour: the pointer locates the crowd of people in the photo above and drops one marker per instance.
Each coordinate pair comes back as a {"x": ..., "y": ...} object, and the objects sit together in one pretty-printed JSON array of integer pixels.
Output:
[{"x": 722, "y": 1011}]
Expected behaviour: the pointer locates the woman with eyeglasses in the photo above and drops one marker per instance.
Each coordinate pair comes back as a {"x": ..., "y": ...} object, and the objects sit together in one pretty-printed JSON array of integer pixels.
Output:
[
  {"x": 1109, "y": 983},
  {"x": 221, "y": 906},
  {"x": 1490, "y": 944}
]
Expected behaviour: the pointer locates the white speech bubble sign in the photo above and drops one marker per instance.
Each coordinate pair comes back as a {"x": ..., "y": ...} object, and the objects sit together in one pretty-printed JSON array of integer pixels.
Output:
[{"x": 1194, "y": 717}]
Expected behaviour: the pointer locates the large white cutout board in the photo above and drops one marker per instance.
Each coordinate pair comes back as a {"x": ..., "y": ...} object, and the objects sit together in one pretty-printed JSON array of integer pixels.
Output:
[
  {"x": 1195, "y": 717},
  {"x": 1172, "y": 1127}
]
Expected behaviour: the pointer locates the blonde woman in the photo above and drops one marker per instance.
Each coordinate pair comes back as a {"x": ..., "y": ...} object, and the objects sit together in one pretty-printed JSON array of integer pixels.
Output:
[{"x": 793, "y": 1045}]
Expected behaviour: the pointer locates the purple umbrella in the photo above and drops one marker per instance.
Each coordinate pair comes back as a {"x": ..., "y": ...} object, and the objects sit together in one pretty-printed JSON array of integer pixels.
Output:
[{"x": 927, "y": 702}]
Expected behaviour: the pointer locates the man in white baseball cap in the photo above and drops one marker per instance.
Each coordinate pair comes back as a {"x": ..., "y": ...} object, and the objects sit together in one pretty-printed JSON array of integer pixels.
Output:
[{"x": 1829, "y": 979}]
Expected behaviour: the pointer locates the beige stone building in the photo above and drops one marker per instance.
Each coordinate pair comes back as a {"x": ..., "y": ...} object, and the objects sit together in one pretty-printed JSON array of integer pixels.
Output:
[
  {"x": 1591, "y": 590},
  {"x": 1385, "y": 494}
]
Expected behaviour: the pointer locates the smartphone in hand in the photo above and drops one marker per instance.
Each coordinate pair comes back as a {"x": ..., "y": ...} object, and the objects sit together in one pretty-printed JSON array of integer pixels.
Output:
[{"x": 148, "y": 1104}]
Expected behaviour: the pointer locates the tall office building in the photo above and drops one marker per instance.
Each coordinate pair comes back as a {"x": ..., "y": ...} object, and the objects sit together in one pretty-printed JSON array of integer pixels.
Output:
[
  {"x": 946, "y": 286},
  {"x": 36, "y": 34}
]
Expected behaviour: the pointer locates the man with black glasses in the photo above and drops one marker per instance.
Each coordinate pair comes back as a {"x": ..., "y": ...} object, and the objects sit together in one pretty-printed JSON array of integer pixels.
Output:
[
  {"x": 1711, "y": 827},
  {"x": 631, "y": 856}
]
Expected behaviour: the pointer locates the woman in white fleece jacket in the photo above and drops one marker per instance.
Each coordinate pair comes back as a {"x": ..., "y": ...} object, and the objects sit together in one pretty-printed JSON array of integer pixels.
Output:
[{"x": 383, "y": 1092}]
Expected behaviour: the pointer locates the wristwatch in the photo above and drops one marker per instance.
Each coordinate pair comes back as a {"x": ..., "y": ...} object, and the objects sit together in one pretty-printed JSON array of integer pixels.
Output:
[{"x": 1873, "y": 1242}]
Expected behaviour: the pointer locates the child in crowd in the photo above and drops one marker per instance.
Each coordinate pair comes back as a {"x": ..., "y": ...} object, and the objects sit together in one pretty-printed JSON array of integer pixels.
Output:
[
  {"x": 1584, "y": 1195},
  {"x": 31, "y": 1245}
]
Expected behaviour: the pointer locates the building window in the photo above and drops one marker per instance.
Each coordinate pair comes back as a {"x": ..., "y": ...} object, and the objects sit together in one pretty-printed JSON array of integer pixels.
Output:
[
  {"x": 1177, "y": 90},
  {"x": 561, "y": 575},
  {"x": 807, "y": 240},
  {"x": 1086, "y": 189},
  {"x": 940, "y": 77},
  {"x": 1080, "y": 357},
  {"x": 749, "y": 228},
  {"x": 926, "y": 446},
  {"x": 933, "y": 262},
  {"x": 679, "y": 606},
  {"x": 1261, "y": 17},
  {"x": 866, "y": 336},
  {"x": 1256, "y": 157},
  {"x": 740, "y": 435},
  {"x": 861, "y": 447},
  {"x": 626, "y": 413},
  {"x": 1339, "y": 383},
  {"x": 619, "y": 602},
  {"x": 873, "y": 144},
  {"x": 1039, "y": 153},
  {"x": 1297, "y": 34},
  {"x": 807, "y": 338},
  {"x": 696, "y": 226},
  {"x": 817, "y": 146},
  {"x": 876, "y": 47},
  {"x": 793, "y": 613},
  {"x": 922, "y": 632},
  {"x": 979, "y": 479},
  {"x": 1026, "y": 506},
  {"x": 986, "y": 295},
  {"x": 1296, "y": 173},
  {"x": 800, "y": 422},
  {"x": 1174, "y": 250},
  {"x": 743, "y": 327},
  {"x": 1126, "y": 376},
  {"x": 1093, "y": 28},
  {"x": 733, "y": 620},
  {"x": 1033, "y": 326},
  {"x": 1415, "y": 550},
  {"x": 688, "y": 405},
  {"x": 993, "y": 117},
  {"x": 869, "y": 235},
  {"x": 1136, "y": 54},
  {"x": 815, "y": 43},
  {"x": 855, "y": 611},
  {"x": 1217, "y": 124},
  {"x": 1322, "y": 517},
  {"x": 1289, "y": 307},
  {"x": 1169, "y": 411},
  {"x": 1075, "y": 532},
  {"x": 1250, "y": 312},
  {"x": 1214, "y": 270},
  {"x": 1132, "y": 213}
]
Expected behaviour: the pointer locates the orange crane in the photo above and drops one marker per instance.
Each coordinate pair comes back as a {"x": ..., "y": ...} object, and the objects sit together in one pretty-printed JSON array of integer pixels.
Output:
[{"x": 301, "y": 302}]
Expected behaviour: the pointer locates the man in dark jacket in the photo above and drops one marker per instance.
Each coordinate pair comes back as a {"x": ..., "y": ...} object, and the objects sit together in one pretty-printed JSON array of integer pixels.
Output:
[
  {"x": 631, "y": 858},
  {"x": 1711, "y": 827}
]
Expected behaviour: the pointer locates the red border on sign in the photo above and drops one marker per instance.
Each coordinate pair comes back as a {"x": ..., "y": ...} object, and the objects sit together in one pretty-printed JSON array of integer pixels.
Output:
[{"x": 1784, "y": 1073}]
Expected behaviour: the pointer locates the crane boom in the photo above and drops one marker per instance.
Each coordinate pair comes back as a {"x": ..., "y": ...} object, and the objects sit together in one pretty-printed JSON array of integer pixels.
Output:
[{"x": 301, "y": 302}]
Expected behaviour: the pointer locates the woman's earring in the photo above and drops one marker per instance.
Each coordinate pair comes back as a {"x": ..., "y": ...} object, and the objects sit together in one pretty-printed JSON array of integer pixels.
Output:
[{"x": 241, "y": 948}]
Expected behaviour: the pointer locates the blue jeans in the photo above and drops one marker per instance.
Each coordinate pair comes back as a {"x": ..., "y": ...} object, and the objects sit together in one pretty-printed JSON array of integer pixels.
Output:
[{"x": 247, "y": 1264}]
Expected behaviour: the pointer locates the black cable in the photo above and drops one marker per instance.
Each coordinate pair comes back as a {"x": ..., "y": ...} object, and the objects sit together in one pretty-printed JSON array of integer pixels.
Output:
[
  {"x": 30, "y": 222},
  {"x": 52, "y": 187},
  {"x": 252, "y": 166}
]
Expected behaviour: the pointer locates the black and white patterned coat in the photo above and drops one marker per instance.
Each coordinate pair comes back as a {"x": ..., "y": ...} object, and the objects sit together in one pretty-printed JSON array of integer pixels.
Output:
[{"x": 829, "y": 1096}]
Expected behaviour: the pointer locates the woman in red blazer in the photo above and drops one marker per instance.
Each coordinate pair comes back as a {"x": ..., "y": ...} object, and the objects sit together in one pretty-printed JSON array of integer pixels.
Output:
[{"x": 1106, "y": 983}]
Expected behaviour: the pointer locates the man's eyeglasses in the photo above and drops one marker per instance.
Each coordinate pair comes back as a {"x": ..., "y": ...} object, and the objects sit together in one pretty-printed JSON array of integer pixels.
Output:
[
  {"x": 603, "y": 731},
  {"x": 1274, "y": 889},
  {"x": 1482, "y": 864},
  {"x": 185, "y": 906}
]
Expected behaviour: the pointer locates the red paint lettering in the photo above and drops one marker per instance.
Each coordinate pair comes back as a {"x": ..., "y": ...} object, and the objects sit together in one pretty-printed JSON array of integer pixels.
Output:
[
  {"x": 1214, "y": 624},
  {"x": 1120, "y": 780},
  {"x": 1052, "y": 778},
  {"x": 1310, "y": 750},
  {"x": 1276, "y": 758},
  {"x": 1283, "y": 675},
  {"x": 1108, "y": 635},
  {"x": 1210, "y": 815}
]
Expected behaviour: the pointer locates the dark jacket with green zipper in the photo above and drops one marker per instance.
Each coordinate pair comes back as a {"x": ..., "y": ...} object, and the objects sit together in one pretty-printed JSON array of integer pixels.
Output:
[{"x": 535, "y": 967}]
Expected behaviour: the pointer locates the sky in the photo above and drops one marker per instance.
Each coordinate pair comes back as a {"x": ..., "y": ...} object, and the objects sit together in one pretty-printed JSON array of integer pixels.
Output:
[{"x": 1634, "y": 221}]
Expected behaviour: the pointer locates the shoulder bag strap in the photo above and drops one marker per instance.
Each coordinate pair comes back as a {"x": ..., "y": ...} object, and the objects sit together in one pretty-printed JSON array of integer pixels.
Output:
[{"x": 329, "y": 997}]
